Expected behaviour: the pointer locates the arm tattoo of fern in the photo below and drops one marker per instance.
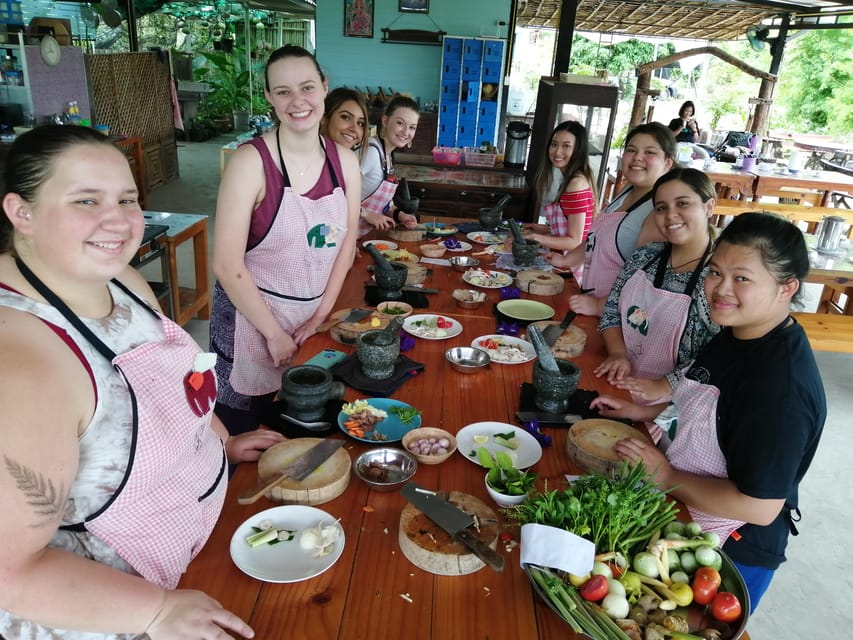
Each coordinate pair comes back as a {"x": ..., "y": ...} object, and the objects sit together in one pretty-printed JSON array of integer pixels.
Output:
[{"x": 40, "y": 492}]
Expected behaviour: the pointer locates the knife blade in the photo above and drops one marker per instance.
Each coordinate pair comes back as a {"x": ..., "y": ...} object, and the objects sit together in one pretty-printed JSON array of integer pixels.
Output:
[
  {"x": 298, "y": 469},
  {"x": 454, "y": 521},
  {"x": 568, "y": 418}
]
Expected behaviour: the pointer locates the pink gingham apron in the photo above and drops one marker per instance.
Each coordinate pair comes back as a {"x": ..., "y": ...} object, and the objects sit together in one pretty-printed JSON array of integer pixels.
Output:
[
  {"x": 290, "y": 267},
  {"x": 695, "y": 448},
  {"x": 602, "y": 260},
  {"x": 654, "y": 319},
  {"x": 174, "y": 486},
  {"x": 554, "y": 218},
  {"x": 380, "y": 200}
]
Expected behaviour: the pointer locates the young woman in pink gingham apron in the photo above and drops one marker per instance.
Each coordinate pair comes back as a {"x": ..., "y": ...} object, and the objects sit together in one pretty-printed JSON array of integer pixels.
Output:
[
  {"x": 379, "y": 202},
  {"x": 747, "y": 414},
  {"x": 624, "y": 223}
]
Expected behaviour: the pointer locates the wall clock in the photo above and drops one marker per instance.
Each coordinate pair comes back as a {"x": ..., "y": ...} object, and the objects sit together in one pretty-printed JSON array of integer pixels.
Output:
[{"x": 50, "y": 50}]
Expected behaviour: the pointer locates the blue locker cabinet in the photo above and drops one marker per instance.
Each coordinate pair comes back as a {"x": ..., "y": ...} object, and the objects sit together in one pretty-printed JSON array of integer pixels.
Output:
[{"x": 472, "y": 71}]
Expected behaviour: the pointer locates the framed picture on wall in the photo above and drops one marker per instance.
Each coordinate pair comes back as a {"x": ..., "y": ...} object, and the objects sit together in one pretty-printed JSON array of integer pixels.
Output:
[
  {"x": 414, "y": 6},
  {"x": 358, "y": 18}
]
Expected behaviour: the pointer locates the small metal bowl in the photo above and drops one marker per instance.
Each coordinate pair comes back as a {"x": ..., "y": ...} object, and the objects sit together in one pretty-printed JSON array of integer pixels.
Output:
[
  {"x": 467, "y": 359},
  {"x": 468, "y": 298},
  {"x": 463, "y": 263},
  {"x": 385, "y": 469}
]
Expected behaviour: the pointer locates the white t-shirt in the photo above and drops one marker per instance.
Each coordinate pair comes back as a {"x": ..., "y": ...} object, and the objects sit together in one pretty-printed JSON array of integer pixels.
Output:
[{"x": 372, "y": 173}]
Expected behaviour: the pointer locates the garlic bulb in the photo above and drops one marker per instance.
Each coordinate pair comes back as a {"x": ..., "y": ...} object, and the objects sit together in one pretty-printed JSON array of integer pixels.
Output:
[{"x": 320, "y": 539}]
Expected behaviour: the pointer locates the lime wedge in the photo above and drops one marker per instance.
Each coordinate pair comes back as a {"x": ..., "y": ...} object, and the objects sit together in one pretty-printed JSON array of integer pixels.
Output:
[{"x": 481, "y": 439}]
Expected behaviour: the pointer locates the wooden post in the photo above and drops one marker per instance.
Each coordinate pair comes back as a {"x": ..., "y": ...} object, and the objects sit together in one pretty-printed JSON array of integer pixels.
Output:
[{"x": 640, "y": 97}]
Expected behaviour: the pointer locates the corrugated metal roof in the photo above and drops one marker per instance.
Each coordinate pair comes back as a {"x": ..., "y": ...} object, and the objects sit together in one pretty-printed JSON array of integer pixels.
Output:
[{"x": 694, "y": 19}]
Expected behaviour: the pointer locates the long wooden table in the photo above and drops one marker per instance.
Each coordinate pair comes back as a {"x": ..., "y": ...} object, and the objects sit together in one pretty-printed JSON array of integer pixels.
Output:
[{"x": 359, "y": 597}]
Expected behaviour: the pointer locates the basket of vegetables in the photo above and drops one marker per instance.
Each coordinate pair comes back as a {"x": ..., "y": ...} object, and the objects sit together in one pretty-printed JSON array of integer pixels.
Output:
[{"x": 654, "y": 578}]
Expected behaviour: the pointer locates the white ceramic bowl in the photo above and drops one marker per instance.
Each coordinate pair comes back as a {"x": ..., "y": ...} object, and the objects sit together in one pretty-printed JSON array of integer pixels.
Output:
[{"x": 502, "y": 499}]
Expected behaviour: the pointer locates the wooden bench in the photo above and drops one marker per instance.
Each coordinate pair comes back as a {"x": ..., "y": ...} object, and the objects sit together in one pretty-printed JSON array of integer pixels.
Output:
[{"x": 827, "y": 332}]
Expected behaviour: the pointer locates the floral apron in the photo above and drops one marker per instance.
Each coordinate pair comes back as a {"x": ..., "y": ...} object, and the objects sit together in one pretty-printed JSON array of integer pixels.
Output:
[
  {"x": 695, "y": 448},
  {"x": 290, "y": 267},
  {"x": 175, "y": 482}
]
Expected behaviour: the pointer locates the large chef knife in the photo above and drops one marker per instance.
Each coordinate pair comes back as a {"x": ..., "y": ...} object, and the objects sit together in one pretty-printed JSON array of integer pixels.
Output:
[
  {"x": 454, "y": 521},
  {"x": 298, "y": 469}
]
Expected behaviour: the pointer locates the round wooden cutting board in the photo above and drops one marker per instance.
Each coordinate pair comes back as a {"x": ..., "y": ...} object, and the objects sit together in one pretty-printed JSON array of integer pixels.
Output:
[
  {"x": 431, "y": 548},
  {"x": 570, "y": 344},
  {"x": 325, "y": 483},
  {"x": 347, "y": 332},
  {"x": 538, "y": 282},
  {"x": 590, "y": 444}
]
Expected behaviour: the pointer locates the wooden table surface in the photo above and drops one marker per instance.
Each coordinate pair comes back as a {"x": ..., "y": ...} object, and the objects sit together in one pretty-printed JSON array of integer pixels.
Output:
[
  {"x": 360, "y": 595},
  {"x": 825, "y": 181}
]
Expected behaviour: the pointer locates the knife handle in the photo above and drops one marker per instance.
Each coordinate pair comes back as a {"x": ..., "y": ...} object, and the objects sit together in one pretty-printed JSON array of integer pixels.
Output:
[{"x": 480, "y": 549}]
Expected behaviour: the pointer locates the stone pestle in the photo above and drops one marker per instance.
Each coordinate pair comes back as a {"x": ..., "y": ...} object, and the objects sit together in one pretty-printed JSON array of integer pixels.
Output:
[
  {"x": 516, "y": 231},
  {"x": 380, "y": 260},
  {"x": 546, "y": 358},
  {"x": 403, "y": 199},
  {"x": 389, "y": 333}
]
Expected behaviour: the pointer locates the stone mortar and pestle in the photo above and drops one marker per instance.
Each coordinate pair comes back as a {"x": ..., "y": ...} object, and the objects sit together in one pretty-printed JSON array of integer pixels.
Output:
[
  {"x": 390, "y": 276},
  {"x": 305, "y": 390},
  {"x": 523, "y": 251},
  {"x": 378, "y": 350},
  {"x": 403, "y": 200},
  {"x": 490, "y": 217},
  {"x": 554, "y": 380}
]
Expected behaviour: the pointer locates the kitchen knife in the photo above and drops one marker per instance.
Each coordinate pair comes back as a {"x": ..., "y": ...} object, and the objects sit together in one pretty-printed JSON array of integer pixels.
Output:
[
  {"x": 568, "y": 418},
  {"x": 454, "y": 521},
  {"x": 298, "y": 469}
]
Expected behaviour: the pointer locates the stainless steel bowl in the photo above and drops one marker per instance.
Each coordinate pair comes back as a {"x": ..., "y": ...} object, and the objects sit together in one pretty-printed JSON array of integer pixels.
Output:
[
  {"x": 468, "y": 298},
  {"x": 385, "y": 469},
  {"x": 463, "y": 263},
  {"x": 467, "y": 359}
]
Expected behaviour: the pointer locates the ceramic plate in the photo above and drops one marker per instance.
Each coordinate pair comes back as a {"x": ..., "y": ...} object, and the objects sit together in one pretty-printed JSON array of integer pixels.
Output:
[
  {"x": 527, "y": 310},
  {"x": 487, "y": 279},
  {"x": 486, "y": 237},
  {"x": 389, "y": 429},
  {"x": 505, "y": 349},
  {"x": 422, "y": 325},
  {"x": 381, "y": 245},
  {"x": 481, "y": 434},
  {"x": 284, "y": 561},
  {"x": 439, "y": 229},
  {"x": 462, "y": 246}
]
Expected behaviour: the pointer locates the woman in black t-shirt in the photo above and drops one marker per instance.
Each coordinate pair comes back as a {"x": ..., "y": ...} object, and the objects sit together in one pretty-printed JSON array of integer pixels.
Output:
[{"x": 684, "y": 127}]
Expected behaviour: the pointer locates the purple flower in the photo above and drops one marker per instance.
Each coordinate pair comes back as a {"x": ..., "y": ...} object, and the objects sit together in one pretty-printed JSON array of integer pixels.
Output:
[
  {"x": 452, "y": 243},
  {"x": 532, "y": 427},
  {"x": 407, "y": 342},
  {"x": 510, "y": 293},
  {"x": 508, "y": 328}
]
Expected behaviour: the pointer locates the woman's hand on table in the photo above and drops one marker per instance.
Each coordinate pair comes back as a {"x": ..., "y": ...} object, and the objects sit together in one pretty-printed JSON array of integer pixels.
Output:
[
  {"x": 282, "y": 348},
  {"x": 192, "y": 615},
  {"x": 645, "y": 390},
  {"x": 615, "y": 367},
  {"x": 248, "y": 447},
  {"x": 379, "y": 221},
  {"x": 531, "y": 228},
  {"x": 308, "y": 329}
]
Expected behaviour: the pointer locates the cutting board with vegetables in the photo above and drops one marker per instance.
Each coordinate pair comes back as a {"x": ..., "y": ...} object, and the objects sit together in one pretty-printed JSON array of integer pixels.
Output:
[
  {"x": 429, "y": 547},
  {"x": 540, "y": 283},
  {"x": 590, "y": 443},
  {"x": 570, "y": 344},
  {"x": 348, "y": 332},
  {"x": 325, "y": 483}
]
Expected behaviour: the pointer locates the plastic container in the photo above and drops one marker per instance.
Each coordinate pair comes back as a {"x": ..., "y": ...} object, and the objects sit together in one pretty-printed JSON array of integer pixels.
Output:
[
  {"x": 473, "y": 158},
  {"x": 447, "y": 155}
]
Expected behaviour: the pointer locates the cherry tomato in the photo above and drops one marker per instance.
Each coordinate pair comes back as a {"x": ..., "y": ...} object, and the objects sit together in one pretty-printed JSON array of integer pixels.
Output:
[
  {"x": 443, "y": 323},
  {"x": 705, "y": 584},
  {"x": 726, "y": 607},
  {"x": 489, "y": 344},
  {"x": 595, "y": 588}
]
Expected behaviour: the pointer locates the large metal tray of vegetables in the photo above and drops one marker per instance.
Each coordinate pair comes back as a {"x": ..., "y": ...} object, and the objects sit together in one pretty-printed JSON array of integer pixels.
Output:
[{"x": 662, "y": 579}]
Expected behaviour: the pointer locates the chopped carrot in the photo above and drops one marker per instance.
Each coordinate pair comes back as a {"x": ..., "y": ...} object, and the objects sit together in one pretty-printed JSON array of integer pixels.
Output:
[{"x": 367, "y": 509}]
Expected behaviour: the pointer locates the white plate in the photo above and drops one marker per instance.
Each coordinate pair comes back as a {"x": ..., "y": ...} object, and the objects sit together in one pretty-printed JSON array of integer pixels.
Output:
[
  {"x": 463, "y": 246},
  {"x": 512, "y": 347},
  {"x": 385, "y": 243},
  {"x": 427, "y": 333},
  {"x": 527, "y": 454},
  {"x": 285, "y": 561},
  {"x": 496, "y": 279},
  {"x": 485, "y": 237}
]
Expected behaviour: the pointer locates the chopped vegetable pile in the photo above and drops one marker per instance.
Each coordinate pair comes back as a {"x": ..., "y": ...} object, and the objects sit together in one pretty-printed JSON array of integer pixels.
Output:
[
  {"x": 431, "y": 327},
  {"x": 362, "y": 418}
]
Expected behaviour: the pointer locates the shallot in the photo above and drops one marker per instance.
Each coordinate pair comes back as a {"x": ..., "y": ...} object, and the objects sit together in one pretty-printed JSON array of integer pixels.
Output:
[
  {"x": 430, "y": 446},
  {"x": 320, "y": 539}
]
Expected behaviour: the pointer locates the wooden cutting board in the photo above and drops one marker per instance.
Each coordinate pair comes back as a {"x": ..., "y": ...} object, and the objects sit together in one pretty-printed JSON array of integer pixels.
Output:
[
  {"x": 429, "y": 547},
  {"x": 540, "y": 283},
  {"x": 347, "y": 332},
  {"x": 325, "y": 483},
  {"x": 570, "y": 344},
  {"x": 590, "y": 443}
]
